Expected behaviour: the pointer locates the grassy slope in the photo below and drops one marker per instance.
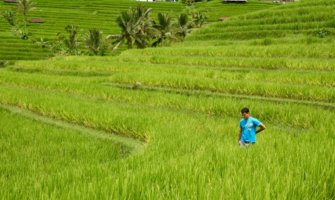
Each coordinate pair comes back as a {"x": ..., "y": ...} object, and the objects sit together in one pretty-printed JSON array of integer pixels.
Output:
[
  {"x": 187, "y": 110},
  {"x": 88, "y": 14},
  {"x": 45, "y": 153},
  {"x": 216, "y": 9},
  {"x": 58, "y": 14}
]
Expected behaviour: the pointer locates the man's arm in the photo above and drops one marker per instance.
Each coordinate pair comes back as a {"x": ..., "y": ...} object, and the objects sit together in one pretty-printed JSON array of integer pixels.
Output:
[
  {"x": 239, "y": 136},
  {"x": 261, "y": 128}
]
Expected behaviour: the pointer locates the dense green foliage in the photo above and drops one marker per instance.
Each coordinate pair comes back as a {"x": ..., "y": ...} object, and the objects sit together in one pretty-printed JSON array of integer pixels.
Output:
[{"x": 183, "y": 101}]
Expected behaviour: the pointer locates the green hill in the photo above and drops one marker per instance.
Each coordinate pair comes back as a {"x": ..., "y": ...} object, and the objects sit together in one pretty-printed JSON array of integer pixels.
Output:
[
  {"x": 58, "y": 14},
  {"x": 277, "y": 22},
  {"x": 183, "y": 103},
  {"x": 91, "y": 14}
]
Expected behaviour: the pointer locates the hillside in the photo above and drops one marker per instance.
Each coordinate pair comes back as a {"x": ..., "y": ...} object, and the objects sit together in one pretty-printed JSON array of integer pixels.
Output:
[
  {"x": 58, "y": 14},
  {"x": 90, "y": 14},
  {"x": 175, "y": 111}
]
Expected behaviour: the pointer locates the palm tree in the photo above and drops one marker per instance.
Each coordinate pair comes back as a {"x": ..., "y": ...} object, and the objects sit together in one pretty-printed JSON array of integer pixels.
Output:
[
  {"x": 146, "y": 31},
  {"x": 182, "y": 24},
  {"x": 94, "y": 42},
  {"x": 128, "y": 28},
  {"x": 72, "y": 41},
  {"x": 136, "y": 27},
  {"x": 165, "y": 28},
  {"x": 24, "y": 7}
]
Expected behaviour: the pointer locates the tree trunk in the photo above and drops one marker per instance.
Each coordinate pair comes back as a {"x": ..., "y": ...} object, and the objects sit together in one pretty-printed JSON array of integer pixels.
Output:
[{"x": 130, "y": 43}]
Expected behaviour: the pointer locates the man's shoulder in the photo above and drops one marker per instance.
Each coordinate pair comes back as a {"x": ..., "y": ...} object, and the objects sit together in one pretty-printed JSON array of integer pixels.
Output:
[{"x": 254, "y": 118}]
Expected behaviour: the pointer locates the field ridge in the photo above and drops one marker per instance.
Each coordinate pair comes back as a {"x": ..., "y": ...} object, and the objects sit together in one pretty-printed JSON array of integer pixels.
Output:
[
  {"x": 134, "y": 145},
  {"x": 220, "y": 94}
]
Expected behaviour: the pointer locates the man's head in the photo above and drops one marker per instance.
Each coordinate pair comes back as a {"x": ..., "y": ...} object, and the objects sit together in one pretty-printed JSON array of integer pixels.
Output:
[{"x": 245, "y": 113}]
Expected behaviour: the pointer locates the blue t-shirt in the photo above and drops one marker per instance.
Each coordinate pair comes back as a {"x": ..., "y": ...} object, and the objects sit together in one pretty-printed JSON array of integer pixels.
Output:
[{"x": 249, "y": 129}]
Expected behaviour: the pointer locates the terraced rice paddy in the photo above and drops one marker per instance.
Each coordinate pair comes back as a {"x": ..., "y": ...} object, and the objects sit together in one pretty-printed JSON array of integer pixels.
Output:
[
  {"x": 56, "y": 15},
  {"x": 175, "y": 114}
]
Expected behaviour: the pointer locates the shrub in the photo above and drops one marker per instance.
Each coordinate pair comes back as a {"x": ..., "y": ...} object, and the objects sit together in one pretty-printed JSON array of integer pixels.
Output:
[
  {"x": 95, "y": 43},
  {"x": 198, "y": 19},
  {"x": 267, "y": 41},
  {"x": 322, "y": 33},
  {"x": 3, "y": 63},
  {"x": 10, "y": 17}
]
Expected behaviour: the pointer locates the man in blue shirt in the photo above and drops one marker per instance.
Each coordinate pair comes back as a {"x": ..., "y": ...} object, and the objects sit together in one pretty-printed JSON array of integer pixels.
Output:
[{"x": 248, "y": 127}]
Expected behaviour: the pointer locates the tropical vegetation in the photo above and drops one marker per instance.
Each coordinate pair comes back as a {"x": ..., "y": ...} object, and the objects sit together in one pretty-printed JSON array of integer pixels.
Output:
[{"x": 162, "y": 123}]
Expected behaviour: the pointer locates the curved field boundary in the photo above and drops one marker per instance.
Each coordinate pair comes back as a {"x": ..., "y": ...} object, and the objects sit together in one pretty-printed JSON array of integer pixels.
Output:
[
  {"x": 134, "y": 145},
  {"x": 217, "y": 94}
]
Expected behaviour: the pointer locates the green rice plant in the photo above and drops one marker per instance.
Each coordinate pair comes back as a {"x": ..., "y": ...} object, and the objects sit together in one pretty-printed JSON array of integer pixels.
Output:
[
  {"x": 295, "y": 50},
  {"x": 307, "y": 78},
  {"x": 35, "y": 152},
  {"x": 239, "y": 62},
  {"x": 204, "y": 155},
  {"x": 94, "y": 89},
  {"x": 119, "y": 126},
  {"x": 186, "y": 109}
]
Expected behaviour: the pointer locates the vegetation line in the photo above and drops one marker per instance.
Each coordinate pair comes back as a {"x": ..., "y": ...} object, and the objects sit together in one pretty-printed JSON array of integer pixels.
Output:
[
  {"x": 217, "y": 94},
  {"x": 134, "y": 145}
]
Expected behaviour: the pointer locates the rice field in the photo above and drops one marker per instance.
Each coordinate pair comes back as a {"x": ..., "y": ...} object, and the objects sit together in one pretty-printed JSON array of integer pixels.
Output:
[
  {"x": 56, "y": 15},
  {"x": 162, "y": 123}
]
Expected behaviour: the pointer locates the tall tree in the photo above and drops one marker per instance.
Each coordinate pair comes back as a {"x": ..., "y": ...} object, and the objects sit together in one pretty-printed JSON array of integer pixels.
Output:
[
  {"x": 145, "y": 24},
  {"x": 128, "y": 28},
  {"x": 136, "y": 27}
]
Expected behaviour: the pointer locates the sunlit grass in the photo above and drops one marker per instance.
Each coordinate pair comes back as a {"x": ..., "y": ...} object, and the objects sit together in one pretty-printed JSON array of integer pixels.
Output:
[{"x": 184, "y": 102}]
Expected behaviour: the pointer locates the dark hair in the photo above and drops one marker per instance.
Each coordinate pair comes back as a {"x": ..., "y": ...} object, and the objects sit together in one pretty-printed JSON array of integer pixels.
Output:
[{"x": 245, "y": 110}]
